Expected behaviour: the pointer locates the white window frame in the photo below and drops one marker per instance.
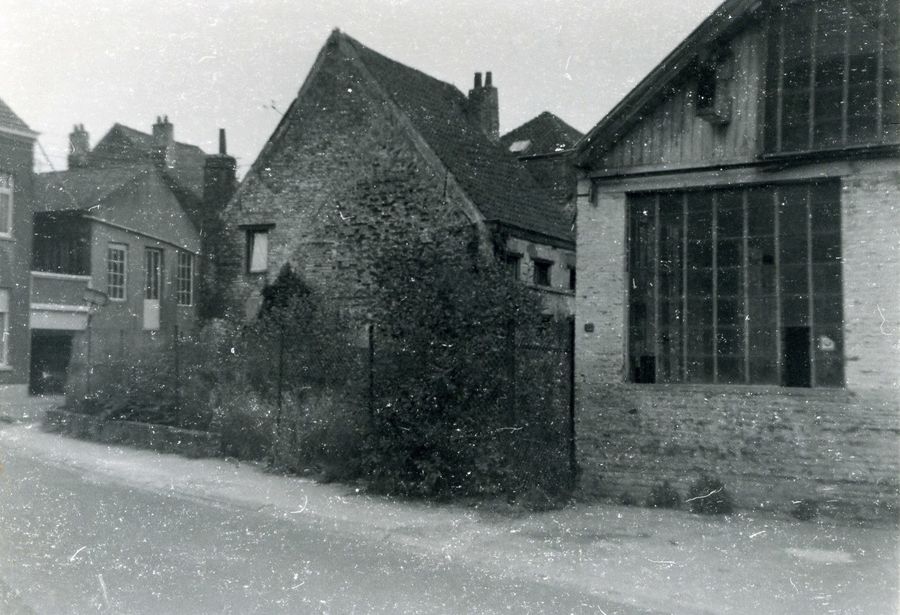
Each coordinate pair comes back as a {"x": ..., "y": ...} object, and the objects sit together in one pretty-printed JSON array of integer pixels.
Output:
[
  {"x": 257, "y": 252},
  {"x": 7, "y": 188},
  {"x": 184, "y": 286},
  {"x": 123, "y": 248}
]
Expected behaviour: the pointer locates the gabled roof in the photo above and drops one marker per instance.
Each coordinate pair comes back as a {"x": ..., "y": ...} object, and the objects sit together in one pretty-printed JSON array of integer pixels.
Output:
[
  {"x": 125, "y": 145},
  {"x": 727, "y": 17},
  {"x": 544, "y": 134},
  {"x": 496, "y": 183},
  {"x": 83, "y": 188},
  {"x": 12, "y": 122}
]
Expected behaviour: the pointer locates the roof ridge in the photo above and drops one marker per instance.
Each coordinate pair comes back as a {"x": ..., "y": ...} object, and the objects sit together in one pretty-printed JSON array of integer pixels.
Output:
[
  {"x": 358, "y": 46},
  {"x": 150, "y": 135}
]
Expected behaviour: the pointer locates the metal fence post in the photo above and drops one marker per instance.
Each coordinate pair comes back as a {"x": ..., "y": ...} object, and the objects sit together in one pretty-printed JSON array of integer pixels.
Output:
[
  {"x": 573, "y": 460},
  {"x": 177, "y": 365},
  {"x": 87, "y": 385},
  {"x": 371, "y": 393}
]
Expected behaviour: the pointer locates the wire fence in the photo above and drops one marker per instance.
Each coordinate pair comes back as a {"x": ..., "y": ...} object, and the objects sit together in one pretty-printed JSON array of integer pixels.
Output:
[{"x": 523, "y": 373}]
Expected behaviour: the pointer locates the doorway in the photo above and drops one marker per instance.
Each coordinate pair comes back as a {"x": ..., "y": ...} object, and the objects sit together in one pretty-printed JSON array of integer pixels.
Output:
[{"x": 795, "y": 362}]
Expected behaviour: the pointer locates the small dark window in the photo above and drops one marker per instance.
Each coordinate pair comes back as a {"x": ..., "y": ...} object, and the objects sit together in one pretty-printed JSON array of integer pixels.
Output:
[
  {"x": 513, "y": 264},
  {"x": 706, "y": 88},
  {"x": 542, "y": 273},
  {"x": 713, "y": 84},
  {"x": 571, "y": 278}
]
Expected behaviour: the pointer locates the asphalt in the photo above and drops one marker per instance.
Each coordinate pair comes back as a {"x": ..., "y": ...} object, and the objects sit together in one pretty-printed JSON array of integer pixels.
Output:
[
  {"x": 74, "y": 541},
  {"x": 87, "y": 528}
]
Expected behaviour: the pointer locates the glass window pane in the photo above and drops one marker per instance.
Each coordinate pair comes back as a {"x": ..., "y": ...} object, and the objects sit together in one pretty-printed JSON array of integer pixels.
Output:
[
  {"x": 760, "y": 212},
  {"x": 794, "y": 310},
  {"x": 259, "y": 254},
  {"x": 794, "y": 279},
  {"x": 730, "y": 370},
  {"x": 827, "y": 278},
  {"x": 642, "y": 333},
  {"x": 700, "y": 369},
  {"x": 792, "y": 211},
  {"x": 729, "y": 282}
]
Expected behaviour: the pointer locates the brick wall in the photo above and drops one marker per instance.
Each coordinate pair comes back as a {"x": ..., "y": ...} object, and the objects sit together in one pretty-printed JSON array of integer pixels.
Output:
[
  {"x": 771, "y": 445},
  {"x": 16, "y": 158},
  {"x": 871, "y": 266}
]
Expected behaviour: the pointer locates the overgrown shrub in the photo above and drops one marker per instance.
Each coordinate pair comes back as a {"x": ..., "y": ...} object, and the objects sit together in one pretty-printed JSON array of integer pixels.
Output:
[
  {"x": 708, "y": 496},
  {"x": 245, "y": 423},
  {"x": 805, "y": 510},
  {"x": 460, "y": 408},
  {"x": 322, "y": 432},
  {"x": 626, "y": 499},
  {"x": 142, "y": 387},
  {"x": 664, "y": 495}
]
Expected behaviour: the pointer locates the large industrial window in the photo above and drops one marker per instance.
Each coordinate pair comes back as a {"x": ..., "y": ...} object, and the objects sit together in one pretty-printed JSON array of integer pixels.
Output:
[
  {"x": 834, "y": 75},
  {"x": 736, "y": 286}
]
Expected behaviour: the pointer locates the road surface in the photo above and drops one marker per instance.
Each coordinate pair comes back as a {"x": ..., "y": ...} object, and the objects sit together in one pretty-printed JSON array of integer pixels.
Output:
[
  {"x": 77, "y": 542},
  {"x": 88, "y": 528}
]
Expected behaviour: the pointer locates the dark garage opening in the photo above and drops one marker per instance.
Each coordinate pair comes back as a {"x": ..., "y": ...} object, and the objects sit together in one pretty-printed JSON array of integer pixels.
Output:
[{"x": 50, "y": 354}]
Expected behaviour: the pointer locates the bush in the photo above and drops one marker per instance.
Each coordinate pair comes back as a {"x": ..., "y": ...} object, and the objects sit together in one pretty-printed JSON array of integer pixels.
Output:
[
  {"x": 805, "y": 510},
  {"x": 459, "y": 409},
  {"x": 664, "y": 495},
  {"x": 626, "y": 499},
  {"x": 141, "y": 388},
  {"x": 708, "y": 496},
  {"x": 245, "y": 423},
  {"x": 321, "y": 432}
]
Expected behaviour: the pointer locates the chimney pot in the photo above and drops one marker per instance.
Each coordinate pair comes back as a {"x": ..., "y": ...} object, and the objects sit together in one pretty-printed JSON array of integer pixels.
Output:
[
  {"x": 79, "y": 147},
  {"x": 477, "y": 80},
  {"x": 222, "y": 149},
  {"x": 487, "y": 79}
]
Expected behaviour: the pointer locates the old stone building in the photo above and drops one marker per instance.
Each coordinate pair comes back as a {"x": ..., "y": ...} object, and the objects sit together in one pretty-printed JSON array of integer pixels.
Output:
[
  {"x": 16, "y": 199},
  {"x": 371, "y": 149},
  {"x": 738, "y": 305}
]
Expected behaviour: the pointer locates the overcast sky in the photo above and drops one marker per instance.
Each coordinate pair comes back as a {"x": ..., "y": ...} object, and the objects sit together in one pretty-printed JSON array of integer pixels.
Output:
[{"x": 227, "y": 63}]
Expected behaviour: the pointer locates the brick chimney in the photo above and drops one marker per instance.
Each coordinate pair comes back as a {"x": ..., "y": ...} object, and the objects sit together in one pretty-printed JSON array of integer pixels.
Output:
[
  {"x": 163, "y": 142},
  {"x": 218, "y": 177},
  {"x": 79, "y": 147},
  {"x": 219, "y": 184},
  {"x": 483, "y": 108}
]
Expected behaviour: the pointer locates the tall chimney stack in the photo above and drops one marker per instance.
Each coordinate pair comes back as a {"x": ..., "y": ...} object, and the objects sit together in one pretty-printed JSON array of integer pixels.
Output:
[
  {"x": 483, "y": 107},
  {"x": 219, "y": 181},
  {"x": 79, "y": 147},
  {"x": 163, "y": 142},
  {"x": 219, "y": 184}
]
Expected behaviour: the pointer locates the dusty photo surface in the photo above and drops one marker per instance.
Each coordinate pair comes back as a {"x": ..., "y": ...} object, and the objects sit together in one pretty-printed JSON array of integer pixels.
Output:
[{"x": 414, "y": 306}]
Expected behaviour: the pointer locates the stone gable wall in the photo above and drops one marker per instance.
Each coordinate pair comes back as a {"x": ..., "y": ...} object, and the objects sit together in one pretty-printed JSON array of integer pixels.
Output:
[{"x": 344, "y": 180}]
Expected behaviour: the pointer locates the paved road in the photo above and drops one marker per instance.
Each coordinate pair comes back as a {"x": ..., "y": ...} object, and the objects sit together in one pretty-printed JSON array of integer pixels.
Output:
[{"x": 72, "y": 541}]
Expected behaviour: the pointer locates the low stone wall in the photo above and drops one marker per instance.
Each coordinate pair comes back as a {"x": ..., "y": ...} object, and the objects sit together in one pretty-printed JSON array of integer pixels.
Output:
[
  {"x": 159, "y": 438},
  {"x": 771, "y": 446}
]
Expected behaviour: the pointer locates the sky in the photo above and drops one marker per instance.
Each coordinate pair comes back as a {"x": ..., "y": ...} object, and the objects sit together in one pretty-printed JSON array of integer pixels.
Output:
[{"x": 237, "y": 64}]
